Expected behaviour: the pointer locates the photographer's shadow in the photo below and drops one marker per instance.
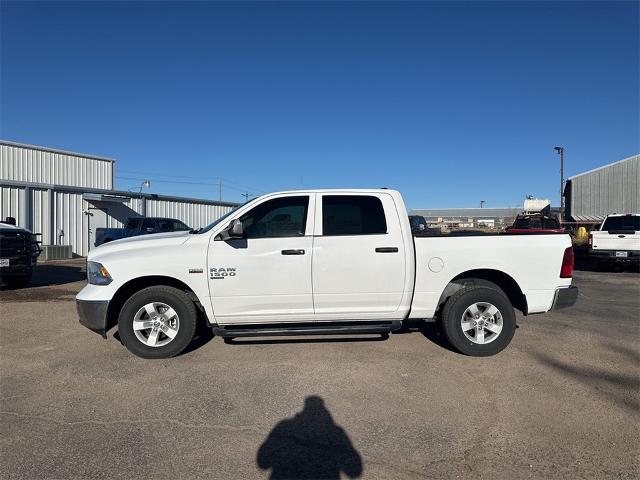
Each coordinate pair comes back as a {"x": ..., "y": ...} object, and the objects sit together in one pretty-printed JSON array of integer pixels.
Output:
[{"x": 309, "y": 446}]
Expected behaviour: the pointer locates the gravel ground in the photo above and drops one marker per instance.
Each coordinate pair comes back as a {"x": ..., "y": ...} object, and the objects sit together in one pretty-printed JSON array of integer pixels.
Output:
[{"x": 561, "y": 402}]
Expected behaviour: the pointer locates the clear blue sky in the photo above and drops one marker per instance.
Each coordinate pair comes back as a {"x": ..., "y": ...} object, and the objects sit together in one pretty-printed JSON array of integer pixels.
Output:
[{"x": 451, "y": 103}]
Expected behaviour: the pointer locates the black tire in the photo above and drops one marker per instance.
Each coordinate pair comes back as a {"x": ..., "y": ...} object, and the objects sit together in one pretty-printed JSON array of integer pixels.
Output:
[
  {"x": 455, "y": 308},
  {"x": 176, "y": 299}
]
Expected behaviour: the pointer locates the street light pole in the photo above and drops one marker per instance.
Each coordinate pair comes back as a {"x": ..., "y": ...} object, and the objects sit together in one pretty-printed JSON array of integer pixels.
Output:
[{"x": 560, "y": 151}]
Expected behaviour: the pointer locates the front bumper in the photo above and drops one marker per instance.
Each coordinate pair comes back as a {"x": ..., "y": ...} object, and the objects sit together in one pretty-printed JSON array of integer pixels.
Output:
[
  {"x": 565, "y": 297},
  {"x": 93, "y": 315}
]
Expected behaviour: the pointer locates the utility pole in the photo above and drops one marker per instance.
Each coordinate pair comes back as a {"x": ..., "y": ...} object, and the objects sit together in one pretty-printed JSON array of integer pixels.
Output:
[
  {"x": 482, "y": 202},
  {"x": 220, "y": 189},
  {"x": 560, "y": 151},
  {"x": 246, "y": 196}
]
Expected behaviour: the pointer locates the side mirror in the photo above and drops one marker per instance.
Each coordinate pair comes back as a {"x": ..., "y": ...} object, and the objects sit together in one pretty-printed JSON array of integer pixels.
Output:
[
  {"x": 234, "y": 230},
  {"x": 10, "y": 221}
]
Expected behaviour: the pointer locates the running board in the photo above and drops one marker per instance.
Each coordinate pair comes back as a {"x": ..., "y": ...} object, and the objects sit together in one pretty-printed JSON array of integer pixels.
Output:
[{"x": 333, "y": 328}]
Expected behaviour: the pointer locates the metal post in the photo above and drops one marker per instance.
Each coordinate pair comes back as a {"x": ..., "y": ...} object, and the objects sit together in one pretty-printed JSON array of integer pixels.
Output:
[
  {"x": 52, "y": 217},
  {"x": 220, "y": 189},
  {"x": 560, "y": 151}
]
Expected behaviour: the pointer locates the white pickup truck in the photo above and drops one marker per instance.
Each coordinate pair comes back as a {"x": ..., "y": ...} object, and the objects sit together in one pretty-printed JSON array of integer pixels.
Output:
[
  {"x": 321, "y": 262},
  {"x": 617, "y": 240}
]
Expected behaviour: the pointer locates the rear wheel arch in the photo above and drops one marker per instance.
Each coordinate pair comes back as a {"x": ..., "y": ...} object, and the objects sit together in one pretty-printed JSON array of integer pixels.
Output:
[
  {"x": 135, "y": 285},
  {"x": 486, "y": 278}
]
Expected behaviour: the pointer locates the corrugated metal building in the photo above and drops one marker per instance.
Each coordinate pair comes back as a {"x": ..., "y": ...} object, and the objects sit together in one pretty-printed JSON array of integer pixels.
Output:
[
  {"x": 468, "y": 217},
  {"x": 65, "y": 196},
  {"x": 613, "y": 188}
]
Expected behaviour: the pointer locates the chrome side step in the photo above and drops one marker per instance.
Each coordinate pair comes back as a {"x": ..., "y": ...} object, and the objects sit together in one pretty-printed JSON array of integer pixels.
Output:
[{"x": 329, "y": 328}]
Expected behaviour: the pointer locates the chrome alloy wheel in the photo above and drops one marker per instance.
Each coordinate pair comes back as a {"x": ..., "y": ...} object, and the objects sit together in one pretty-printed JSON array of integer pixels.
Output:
[
  {"x": 156, "y": 324},
  {"x": 481, "y": 323}
]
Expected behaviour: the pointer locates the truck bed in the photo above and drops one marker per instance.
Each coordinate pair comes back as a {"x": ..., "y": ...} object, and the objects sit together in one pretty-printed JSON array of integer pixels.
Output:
[{"x": 531, "y": 261}]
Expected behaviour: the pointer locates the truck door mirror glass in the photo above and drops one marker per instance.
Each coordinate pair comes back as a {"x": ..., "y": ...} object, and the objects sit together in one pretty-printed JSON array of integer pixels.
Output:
[{"x": 234, "y": 230}]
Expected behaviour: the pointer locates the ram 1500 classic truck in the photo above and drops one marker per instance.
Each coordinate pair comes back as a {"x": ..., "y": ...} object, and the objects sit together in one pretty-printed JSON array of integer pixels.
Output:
[
  {"x": 617, "y": 240},
  {"x": 139, "y": 226},
  {"x": 321, "y": 262}
]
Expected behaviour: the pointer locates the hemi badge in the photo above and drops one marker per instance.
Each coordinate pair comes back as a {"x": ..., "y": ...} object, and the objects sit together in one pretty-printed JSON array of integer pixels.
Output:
[{"x": 196, "y": 270}]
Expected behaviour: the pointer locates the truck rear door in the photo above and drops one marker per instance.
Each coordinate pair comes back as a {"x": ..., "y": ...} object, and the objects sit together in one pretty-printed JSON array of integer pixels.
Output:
[{"x": 358, "y": 264}]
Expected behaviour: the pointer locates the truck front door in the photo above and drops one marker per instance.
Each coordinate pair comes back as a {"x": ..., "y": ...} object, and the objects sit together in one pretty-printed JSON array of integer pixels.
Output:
[
  {"x": 265, "y": 276},
  {"x": 359, "y": 256}
]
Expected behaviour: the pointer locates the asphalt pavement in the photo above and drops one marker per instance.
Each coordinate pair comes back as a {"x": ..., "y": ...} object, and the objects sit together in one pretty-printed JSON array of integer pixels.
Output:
[{"x": 562, "y": 401}]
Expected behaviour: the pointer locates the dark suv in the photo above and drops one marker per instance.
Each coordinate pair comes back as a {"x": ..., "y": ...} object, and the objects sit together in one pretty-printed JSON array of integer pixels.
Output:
[{"x": 19, "y": 250}]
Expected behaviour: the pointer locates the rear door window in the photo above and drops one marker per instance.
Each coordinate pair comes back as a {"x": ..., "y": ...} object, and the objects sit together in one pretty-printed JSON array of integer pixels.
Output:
[{"x": 352, "y": 215}]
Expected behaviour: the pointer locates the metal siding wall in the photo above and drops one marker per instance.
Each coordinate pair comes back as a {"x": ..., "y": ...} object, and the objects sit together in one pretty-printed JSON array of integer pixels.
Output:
[
  {"x": 134, "y": 204},
  {"x": 41, "y": 214},
  {"x": 11, "y": 202},
  {"x": 24, "y": 164},
  {"x": 70, "y": 219},
  {"x": 614, "y": 189},
  {"x": 193, "y": 214}
]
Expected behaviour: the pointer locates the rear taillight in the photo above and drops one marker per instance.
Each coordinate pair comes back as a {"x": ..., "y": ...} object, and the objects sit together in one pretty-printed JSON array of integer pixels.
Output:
[
  {"x": 590, "y": 241},
  {"x": 566, "y": 271}
]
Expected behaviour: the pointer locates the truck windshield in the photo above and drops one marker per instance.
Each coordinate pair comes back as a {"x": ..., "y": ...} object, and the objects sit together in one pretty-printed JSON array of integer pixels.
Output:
[{"x": 628, "y": 223}]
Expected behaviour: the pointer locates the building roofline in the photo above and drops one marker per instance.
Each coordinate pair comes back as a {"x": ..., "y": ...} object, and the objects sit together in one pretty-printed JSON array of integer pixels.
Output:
[
  {"x": 55, "y": 150},
  {"x": 470, "y": 208},
  {"x": 151, "y": 196},
  {"x": 637, "y": 155}
]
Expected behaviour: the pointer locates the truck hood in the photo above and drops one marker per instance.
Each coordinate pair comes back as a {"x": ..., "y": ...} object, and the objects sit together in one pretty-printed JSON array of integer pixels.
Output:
[{"x": 141, "y": 242}]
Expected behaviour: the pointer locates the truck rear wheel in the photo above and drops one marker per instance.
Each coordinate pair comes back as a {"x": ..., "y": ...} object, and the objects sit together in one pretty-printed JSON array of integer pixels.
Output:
[
  {"x": 157, "y": 322},
  {"x": 479, "y": 321}
]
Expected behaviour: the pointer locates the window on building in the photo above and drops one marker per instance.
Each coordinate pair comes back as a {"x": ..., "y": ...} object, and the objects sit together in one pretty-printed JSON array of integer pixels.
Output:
[
  {"x": 280, "y": 217},
  {"x": 352, "y": 215}
]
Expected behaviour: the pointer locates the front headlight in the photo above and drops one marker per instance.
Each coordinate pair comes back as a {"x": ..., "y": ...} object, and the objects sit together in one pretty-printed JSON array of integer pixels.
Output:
[{"x": 97, "y": 274}]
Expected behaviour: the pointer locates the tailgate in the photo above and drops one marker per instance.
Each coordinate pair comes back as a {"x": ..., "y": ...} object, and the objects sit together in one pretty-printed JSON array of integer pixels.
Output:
[{"x": 616, "y": 241}]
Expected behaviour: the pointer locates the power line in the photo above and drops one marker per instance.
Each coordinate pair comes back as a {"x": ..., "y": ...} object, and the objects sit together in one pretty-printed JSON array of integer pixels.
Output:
[
  {"x": 210, "y": 184},
  {"x": 225, "y": 180}
]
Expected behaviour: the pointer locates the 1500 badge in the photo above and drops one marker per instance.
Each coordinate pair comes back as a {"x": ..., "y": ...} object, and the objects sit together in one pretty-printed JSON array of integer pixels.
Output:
[{"x": 221, "y": 273}]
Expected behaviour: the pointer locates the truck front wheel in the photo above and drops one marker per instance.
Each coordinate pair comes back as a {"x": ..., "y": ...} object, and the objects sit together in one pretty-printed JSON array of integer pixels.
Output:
[
  {"x": 157, "y": 322},
  {"x": 479, "y": 321}
]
